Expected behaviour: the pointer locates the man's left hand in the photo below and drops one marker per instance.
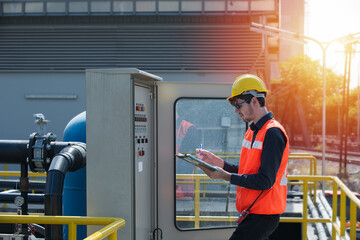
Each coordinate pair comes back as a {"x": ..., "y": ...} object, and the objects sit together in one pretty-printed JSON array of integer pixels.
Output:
[{"x": 219, "y": 174}]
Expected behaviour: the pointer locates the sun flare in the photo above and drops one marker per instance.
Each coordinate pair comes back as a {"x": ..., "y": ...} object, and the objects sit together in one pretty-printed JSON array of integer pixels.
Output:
[
  {"x": 327, "y": 20},
  {"x": 330, "y": 19}
]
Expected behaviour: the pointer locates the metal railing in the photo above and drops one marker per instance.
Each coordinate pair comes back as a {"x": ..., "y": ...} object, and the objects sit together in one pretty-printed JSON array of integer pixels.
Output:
[
  {"x": 338, "y": 228},
  {"x": 112, "y": 225},
  {"x": 17, "y": 174},
  {"x": 312, "y": 171},
  {"x": 309, "y": 188},
  {"x": 110, "y": 230},
  {"x": 34, "y": 176},
  {"x": 293, "y": 156}
]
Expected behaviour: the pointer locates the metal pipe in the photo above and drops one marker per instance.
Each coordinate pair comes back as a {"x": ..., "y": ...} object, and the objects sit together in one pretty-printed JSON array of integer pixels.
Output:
[
  {"x": 347, "y": 107},
  {"x": 34, "y": 198},
  {"x": 68, "y": 156},
  {"x": 13, "y": 151},
  {"x": 24, "y": 188},
  {"x": 16, "y": 152},
  {"x": 71, "y": 158},
  {"x": 14, "y": 184},
  {"x": 319, "y": 227},
  {"x": 329, "y": 211},
  {"x": 324, "y": 210}
]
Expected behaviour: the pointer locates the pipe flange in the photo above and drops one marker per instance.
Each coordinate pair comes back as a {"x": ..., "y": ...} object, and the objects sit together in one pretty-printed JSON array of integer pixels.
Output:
[{"x": 38, "y": 151}]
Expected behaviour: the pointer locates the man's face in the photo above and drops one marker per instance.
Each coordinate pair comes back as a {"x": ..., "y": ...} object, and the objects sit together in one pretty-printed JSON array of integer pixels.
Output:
[{"x": 244, "y": 110}]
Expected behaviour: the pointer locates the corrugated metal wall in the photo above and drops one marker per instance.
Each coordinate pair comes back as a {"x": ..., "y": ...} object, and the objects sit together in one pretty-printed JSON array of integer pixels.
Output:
[{"x": 148, "y": 47}]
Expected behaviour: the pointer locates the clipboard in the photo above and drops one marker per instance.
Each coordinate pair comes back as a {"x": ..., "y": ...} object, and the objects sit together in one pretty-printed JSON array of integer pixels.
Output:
[{"x": 195, "y": 161}]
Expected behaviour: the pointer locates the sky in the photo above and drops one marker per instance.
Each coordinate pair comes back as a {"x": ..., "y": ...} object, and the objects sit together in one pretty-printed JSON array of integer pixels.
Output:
[{"x": 326, "y": 20}]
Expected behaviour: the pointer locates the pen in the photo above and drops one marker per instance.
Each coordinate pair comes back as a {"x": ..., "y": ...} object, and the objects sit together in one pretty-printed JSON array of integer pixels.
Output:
[{"x": 200, "y": 149}]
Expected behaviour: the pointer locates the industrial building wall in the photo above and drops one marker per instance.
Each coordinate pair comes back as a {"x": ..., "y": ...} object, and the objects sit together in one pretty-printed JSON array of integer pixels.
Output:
[
  {"x": 149, "y": 46},
  {"x": 58, "y": 95},
  {"x": 43, "y": 60}
]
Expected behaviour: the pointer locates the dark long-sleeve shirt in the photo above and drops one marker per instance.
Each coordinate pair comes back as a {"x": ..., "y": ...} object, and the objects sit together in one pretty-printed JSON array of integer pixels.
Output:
[{"x": 273, "y": 149}]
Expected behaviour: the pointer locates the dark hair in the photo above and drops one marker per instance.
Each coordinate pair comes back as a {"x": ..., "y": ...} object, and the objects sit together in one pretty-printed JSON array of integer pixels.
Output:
[{"x": 246, "y": 97}]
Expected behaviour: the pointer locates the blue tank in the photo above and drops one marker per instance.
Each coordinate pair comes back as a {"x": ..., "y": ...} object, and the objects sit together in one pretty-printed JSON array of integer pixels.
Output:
[{"x": 74, "y": 196}]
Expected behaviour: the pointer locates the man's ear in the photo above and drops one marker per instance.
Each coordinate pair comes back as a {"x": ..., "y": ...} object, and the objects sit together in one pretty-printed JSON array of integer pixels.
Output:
[{"x": 254, "y": 100}]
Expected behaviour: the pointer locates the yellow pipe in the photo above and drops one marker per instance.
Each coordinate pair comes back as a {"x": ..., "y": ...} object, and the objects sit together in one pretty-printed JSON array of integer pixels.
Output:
[
  {"x": 228, "y": 219},
  {"x": 352, "y": 220},
  {"x": 305, "y": 205},
  {"x": 313, "y": 165},
  {"x": 56, "y": 219},
  {"x": 334, "y": 211},
  {"x": 197, "y": 202},
  {"x": 306, "y": 182},
  {"x": 107, "y": 231},
  {"x": 347, "y": 191},
  {"x": 113, "y": 224},
  {"x": 342, "y": 213},
  {"x": 72, "y": 230},
  {"x": 17, "y": 174},
  {"x": 112, "y": 236}
]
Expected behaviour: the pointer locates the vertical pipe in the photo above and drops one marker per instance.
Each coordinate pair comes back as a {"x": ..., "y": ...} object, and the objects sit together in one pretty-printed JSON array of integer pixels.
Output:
[
  {"x": 334, "y": 210},
  {"x": 197, "y": 202},
  {"x": 342, "y": 113},
  {"x": 312, "y": 193},
  {"x": 352, "y": 220},
  {"x": 358, "y": 108},
  {"x": 342, "y": 213},
  {"x": 347, "y": 106},
  {"x": 113, "y": 236},
  {"x": 24, "y": 186},
  {"x": 315, "y": 185},
  {"x": 72, "y": 230},
  {"x": 305, "y": 208},
  {"x": 324, "y": 114}
]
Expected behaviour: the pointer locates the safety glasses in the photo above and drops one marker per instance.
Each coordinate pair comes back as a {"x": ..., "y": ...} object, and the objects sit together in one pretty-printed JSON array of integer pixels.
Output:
[{"x": 238, "y": 105}]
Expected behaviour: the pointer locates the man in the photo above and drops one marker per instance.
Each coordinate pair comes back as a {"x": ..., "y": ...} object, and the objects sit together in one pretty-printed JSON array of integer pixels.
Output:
[{"x": 261, "y": 175}]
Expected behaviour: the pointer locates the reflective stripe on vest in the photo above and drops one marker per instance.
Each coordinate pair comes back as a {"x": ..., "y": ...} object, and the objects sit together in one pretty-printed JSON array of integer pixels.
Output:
[
  {"x": 257, "y": 145},
  {"x": 272, "y": 201},
  {"x": 284, "y": 181},
  {"x": 246, "y": 144}
]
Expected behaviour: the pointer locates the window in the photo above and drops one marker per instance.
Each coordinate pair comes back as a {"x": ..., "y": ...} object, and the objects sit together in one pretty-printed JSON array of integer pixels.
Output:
[{"x": 213, "y": 123}]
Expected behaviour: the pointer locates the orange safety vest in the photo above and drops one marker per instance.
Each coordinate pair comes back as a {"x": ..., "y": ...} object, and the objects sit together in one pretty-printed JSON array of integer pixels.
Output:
[
  {"x": 181, "y": 132},
  {"x": 273, "y": 200}
]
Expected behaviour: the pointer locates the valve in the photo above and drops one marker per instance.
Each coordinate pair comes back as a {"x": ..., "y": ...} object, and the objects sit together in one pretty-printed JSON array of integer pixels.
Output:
[
  {"x": 39, "y": 146},
  {"x": 40, "y": 120}
]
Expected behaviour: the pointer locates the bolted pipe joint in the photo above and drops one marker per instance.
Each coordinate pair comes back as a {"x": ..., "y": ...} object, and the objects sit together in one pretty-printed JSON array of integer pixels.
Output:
[{"x": 69, "y": 159}]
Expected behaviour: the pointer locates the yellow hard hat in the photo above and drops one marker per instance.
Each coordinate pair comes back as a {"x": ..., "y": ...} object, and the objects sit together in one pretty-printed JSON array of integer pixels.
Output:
[{"x": 250, "y": 84}]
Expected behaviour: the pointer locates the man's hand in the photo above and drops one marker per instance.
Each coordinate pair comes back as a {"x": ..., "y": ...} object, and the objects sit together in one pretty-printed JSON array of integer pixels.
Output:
[
  {"x": 209, "y": 157},
  {"x": 219, "y": 174}
]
